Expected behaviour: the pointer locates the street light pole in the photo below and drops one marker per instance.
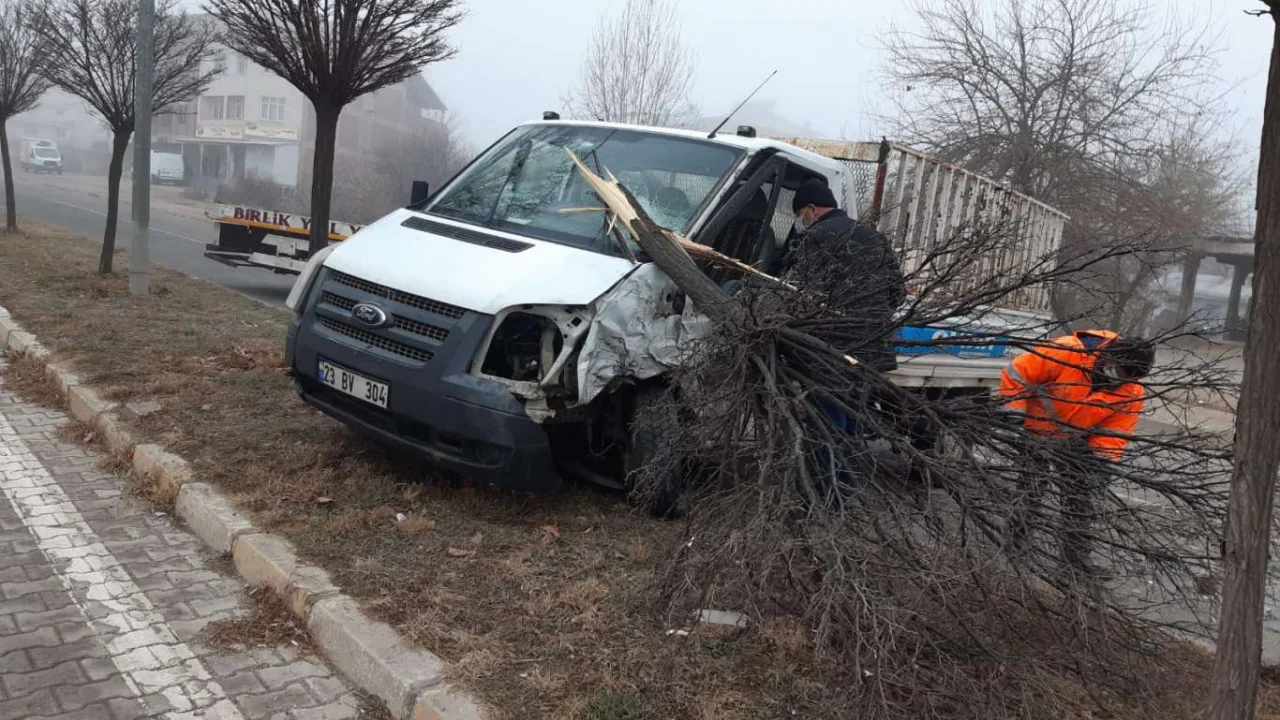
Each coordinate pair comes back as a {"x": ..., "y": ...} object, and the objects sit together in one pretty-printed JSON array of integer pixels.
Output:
[{"x": 140, "y": 250}]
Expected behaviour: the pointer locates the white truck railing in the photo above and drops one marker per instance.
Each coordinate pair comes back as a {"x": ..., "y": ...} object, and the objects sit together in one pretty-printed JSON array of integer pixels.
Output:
[{"x": 918, "y": 201}]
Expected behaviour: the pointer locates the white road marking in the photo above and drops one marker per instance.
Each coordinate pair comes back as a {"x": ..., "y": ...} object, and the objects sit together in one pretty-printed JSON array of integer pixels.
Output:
[{"x": 141, "y": 644}]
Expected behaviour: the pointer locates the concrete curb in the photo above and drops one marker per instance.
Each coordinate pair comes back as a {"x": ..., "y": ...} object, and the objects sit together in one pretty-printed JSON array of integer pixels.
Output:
[
  {"x": 114, "y": 435},
  {"x": 372, "y": 654},
  {"x": 84, "y": 403},
  {"x": 264, "y": 559},
  {"x": 62, "y": 376},
  {"x": 369, "y": 653},
  {"x": 210, "y": 516},
  {"x": 168, "y": 470}
]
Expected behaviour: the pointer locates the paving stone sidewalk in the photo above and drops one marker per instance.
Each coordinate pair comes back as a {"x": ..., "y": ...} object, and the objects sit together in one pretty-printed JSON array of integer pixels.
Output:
[{"x": 102, "y": 601}]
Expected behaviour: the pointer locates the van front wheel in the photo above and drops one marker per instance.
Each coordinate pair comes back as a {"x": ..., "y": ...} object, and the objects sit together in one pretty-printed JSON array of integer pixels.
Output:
[{"x": 648, "y": 466}]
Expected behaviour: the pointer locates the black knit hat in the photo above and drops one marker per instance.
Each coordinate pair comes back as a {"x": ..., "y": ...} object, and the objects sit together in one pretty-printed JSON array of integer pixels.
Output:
[
  {"x": 1133, "y": 355},
  {"x": 813, "y": 192}
]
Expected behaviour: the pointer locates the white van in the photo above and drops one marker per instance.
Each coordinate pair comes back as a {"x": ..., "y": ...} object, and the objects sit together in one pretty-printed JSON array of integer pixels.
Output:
[
  {"x": 41, "y": 156},
  {"x": 167, "y": 168},
  {"x": 501, "y": 334}
]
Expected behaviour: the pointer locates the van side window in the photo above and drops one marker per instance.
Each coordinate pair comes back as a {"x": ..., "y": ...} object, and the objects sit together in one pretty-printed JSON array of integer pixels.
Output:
[{"x": 783, "y": 219}]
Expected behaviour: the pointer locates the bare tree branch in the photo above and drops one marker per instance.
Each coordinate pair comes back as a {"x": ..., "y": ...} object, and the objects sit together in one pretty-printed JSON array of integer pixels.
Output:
[
  {"x": 925, "y": 538},
  {"x": 1082, "y": 104},
  {"x": 22, "y": 61},
  {"x": 92, "y": 53},
  {"x": 334, "y": 51},
  {"x": 637, "y": 70}
]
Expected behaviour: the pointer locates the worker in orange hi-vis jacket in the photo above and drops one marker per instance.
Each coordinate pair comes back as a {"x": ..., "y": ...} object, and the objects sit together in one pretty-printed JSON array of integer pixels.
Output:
[{"x": 1083, "y": 389}]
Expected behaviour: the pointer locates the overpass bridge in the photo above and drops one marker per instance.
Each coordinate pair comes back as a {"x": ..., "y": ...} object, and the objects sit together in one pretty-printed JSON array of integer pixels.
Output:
[{"x": 1233, "y": 250}]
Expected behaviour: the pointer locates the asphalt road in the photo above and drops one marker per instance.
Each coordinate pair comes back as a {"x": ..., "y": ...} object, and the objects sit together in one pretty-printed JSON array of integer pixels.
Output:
[{"x": 177, "y": 241}]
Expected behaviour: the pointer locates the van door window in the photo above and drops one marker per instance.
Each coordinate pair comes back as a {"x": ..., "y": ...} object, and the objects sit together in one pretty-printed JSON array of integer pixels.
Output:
[
  {"x": 740, "y": 223},
  {"x": 782, "y": 222}
]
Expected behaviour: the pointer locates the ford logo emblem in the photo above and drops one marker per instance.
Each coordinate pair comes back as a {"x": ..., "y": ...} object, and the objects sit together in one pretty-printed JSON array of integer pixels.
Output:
[{"x": 371, "y": 315}]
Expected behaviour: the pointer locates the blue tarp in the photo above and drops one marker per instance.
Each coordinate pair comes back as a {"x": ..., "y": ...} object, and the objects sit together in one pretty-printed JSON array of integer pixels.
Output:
[{"x": 926, "y": 340}]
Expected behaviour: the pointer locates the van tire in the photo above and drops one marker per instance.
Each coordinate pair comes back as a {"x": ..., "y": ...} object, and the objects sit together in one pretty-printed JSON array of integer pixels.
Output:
[{"x": 645, "y": 445}]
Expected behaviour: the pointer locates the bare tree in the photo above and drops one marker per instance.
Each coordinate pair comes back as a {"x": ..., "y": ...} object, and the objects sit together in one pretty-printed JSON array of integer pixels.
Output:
[
  {"x": 1078, "y": 103},
  {"x": 638, "y": 69},
  {"x": 92, "y": 54},
  {"x": 334, "y": 51},
  {"x": 1153, "y": 202},
  {"x": 1257, "y": 457},
  {"x": 22, "y": 56},
  {"x": 952, "y": 592}
]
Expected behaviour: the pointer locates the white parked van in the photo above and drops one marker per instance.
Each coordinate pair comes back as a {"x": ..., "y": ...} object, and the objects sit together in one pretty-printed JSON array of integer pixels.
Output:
[
  {"x": 40, "y": 156},
  {"x": 167, "y": 168}
]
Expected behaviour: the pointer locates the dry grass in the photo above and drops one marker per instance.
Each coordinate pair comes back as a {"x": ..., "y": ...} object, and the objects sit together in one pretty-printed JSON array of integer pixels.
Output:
[
  {"x": 537, "y": 623},
  {"x": 152, "y": 490},
  {"x": 540, "y": 624},
  {"x": 27, "y": 377},
  {"x": 269, "y": 624}
]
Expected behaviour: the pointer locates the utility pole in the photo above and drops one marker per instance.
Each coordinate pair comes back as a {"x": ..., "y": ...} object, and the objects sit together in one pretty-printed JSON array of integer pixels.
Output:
[{"x": 140, "y": 250}]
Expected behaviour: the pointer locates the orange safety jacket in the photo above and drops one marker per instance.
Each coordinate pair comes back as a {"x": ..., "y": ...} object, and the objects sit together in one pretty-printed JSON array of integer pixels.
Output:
[{"x": 1052, "y": 386}]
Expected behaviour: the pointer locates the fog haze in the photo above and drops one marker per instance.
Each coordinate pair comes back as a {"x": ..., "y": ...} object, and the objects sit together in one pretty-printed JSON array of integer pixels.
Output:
[{"x": 517, "y": 59}]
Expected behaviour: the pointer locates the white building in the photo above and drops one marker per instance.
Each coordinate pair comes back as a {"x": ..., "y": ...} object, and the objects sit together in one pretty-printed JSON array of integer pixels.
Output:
[
  {"x": 248, "y": 122},
  {"x": 251, "y": 122}
]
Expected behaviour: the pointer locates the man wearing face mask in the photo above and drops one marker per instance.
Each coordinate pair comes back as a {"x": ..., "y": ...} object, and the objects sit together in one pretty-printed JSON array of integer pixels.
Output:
[{"x": 847, "y": 270}]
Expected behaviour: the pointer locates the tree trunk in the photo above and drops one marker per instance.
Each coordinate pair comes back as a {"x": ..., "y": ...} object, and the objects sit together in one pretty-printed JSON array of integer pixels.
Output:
[
  {"x": 119, "y": 143},
  {"x": 10, "y": 204},
  {"x": 1234, "y": 685},
  {"x": 322, "y": 175}
]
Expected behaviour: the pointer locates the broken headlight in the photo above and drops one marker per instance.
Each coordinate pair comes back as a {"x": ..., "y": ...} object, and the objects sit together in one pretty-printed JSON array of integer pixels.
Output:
[{"x": 524, "y": 348}]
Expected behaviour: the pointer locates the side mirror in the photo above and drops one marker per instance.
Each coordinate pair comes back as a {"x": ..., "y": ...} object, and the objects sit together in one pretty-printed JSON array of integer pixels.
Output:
[{"x": 421, "y": 191}]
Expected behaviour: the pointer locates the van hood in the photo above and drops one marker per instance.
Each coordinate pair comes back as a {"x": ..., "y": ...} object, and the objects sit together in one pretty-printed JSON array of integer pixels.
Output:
[{"x": 473, "y": 276}]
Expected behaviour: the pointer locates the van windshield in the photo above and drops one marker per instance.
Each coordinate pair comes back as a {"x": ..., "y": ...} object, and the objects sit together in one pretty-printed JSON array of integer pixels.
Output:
[
  {"x": 525, "y": 183},
  {"x": 45, "y": 153}
]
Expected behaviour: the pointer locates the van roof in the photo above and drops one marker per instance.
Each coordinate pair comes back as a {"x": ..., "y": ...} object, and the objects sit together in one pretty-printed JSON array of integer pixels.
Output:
[{"x": 751, "y": 145}]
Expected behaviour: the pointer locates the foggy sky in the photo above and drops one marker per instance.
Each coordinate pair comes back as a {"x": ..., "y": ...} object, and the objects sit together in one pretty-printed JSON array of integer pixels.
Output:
[{"x": 516, "y": 58}]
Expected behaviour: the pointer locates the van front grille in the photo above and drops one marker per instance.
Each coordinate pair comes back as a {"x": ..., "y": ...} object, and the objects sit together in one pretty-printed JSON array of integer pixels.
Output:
[
  {"x": 404, "y": 298},
  {"x": 421, "y": 328},
  {"x": 382, "y": 343},
  {"x": 342, "y": 303}
]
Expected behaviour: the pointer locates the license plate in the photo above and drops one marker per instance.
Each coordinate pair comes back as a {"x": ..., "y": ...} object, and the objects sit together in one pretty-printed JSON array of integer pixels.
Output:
[{"x": 357, "y": 386}]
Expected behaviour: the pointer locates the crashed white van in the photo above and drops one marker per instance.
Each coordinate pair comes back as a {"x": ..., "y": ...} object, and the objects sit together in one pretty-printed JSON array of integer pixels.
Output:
[{"x": 503, "y": 332}]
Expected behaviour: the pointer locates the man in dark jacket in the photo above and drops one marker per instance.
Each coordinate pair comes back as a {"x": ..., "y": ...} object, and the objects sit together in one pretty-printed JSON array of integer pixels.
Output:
[{"x": 848, "y": 271}]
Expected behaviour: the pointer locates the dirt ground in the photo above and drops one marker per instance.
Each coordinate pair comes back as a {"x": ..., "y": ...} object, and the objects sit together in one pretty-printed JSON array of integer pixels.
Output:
[{"x": 542, "y": 605}]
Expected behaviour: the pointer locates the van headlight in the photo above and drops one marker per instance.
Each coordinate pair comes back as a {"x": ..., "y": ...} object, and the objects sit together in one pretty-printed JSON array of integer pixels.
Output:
[{"x": 302, "y": 286}]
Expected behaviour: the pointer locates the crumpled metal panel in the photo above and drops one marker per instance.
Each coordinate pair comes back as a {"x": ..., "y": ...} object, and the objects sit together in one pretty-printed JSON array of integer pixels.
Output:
[{"x": 637, "y": 332}]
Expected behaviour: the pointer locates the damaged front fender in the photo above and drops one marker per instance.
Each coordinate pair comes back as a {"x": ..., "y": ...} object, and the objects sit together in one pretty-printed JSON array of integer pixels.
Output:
[
  {"x": 642, "y": 329},
  {"x": 556, "y": 358}
]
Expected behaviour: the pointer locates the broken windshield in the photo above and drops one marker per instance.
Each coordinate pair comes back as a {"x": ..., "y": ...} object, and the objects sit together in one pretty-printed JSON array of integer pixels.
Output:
[{"x": 526, "y": 183}]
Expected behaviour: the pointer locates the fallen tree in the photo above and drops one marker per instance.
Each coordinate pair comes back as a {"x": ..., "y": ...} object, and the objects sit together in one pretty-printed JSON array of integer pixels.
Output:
[{"x": 919, "y": 539}]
